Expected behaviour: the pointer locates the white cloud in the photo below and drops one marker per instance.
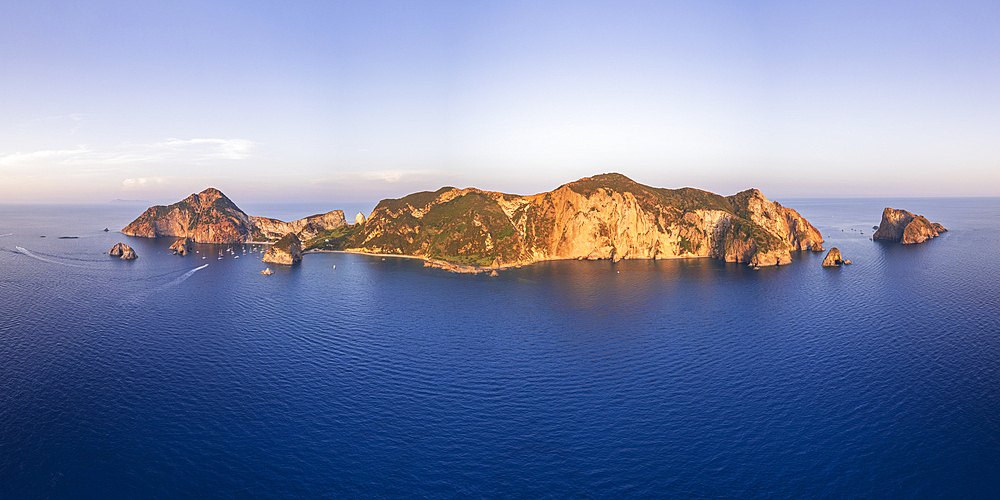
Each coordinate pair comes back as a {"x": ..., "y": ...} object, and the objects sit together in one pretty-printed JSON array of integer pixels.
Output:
[
  {"x": 229, "y": 149},
  {"x": 174, "y": 151},
  {"x": 141, "y": 183},
  {"x": 48, "y": 155}
]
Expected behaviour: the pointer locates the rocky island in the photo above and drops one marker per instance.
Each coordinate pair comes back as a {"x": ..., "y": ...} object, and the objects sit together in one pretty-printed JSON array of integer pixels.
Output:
[
  {"x": 607, "y": 216},
  {"x": 906, "y": 228},
  {"x": 181, "y": 247},
  {"x": 834, "y": 259},
  {"x": 123, "y": 251},
  {"x": 211, "y": 217},
  {"x": 287, "y": 251}
]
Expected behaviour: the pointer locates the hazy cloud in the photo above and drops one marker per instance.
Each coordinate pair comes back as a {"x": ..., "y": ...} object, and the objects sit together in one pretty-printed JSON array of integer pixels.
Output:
[
  {"x": 384, "y": 176},
  {"x": 48, "y": 155},
  {"x": 142, "y": 183},
  {"x": 227, "y": 149},
  {"x": 177, "y": 151}
]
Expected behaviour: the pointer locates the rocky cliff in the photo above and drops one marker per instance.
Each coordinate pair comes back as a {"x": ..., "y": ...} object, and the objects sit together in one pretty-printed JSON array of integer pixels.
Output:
[
  {"x": 305, "y": 228},
  {"x": 906, "y": 228},
  {"x": 181, "y": 247},
  {"x": 602, "y": 217},
  {"x": 211, "y": 217},
  {"x": 287, "y": 250}
]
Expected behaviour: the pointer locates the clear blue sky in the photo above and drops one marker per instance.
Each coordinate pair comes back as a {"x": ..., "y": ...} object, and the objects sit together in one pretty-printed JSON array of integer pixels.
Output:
[{"x": 356, "y": 101}]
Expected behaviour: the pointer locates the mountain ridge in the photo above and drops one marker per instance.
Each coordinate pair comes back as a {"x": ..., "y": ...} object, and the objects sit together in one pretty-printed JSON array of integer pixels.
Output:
[
  {"x": 607, "y": 216},
  {"x": 211, "y": 217}
]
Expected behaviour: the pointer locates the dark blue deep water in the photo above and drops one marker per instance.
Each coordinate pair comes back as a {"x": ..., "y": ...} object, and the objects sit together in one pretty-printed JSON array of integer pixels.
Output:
[{"x": 384, "y": 379}]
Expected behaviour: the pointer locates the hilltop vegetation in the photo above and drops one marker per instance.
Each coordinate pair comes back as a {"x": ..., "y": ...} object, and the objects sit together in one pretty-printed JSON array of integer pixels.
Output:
[{"x": 607, "y": 216}]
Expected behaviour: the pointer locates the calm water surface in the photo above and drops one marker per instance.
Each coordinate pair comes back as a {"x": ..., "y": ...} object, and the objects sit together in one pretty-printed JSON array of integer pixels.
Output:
[{"x": 161, "y": 378}]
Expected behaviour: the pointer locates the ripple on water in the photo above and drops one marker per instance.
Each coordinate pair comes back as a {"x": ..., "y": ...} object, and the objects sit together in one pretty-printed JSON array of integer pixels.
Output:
[{"x": 383, "y": 378}]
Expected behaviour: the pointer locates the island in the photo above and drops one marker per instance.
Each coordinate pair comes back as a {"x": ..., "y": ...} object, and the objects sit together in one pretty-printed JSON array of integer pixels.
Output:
[
  {"x": 607, "y": 216},
  {"x": 123, "y": 251},
  {"x": 834, "y": 259},
  {"x": 906, "y": 228},
  {"x": 287, "y": 251},
  {"x": 211, "y": 217}
]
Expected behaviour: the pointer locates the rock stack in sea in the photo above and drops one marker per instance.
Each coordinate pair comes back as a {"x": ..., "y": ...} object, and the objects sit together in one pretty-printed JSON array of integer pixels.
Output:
[
  {"x": 906, "y": 228},
  {"x": 181, "y": 247},
  {"x": 287, "y": 251},
  {"x": 123, "y": 251},
  {"x": 359, "y": 219},
  {"x": 833, "y": 258}
]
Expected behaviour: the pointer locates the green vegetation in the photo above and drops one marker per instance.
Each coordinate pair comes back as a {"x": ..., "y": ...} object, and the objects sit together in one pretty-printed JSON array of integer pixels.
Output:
[
  {"x": 286, "y": 241},
  {"x": 742, "y": 229},
  {"x": 416, "y": 200},
  {"x": 650, "y": 198},
  {"x": 474, "y": 230},
  {"x": 336, "y": 239}
]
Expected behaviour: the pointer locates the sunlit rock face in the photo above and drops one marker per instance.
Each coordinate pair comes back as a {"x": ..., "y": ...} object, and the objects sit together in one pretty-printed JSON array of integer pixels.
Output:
[
  {"x": 181, "y": 247},
  {"x": 211, "y": 217},
  {"x": 287, "y": 251},
  {"x": 906, "y": 228},
  {"x": 607, "y": 216},
  {"x": 834, "y": 259},
  {"x": 123, "y": 251}
]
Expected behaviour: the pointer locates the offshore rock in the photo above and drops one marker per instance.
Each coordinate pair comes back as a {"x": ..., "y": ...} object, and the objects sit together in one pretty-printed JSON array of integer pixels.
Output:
[
  {"x": 607, "y": 216},
  {"x": 833, "y": 258},
  {"x": 906, "y": 228},
  {"x": 211, "y": 217},
  {"x": 360, "y": 218},
  {"x": 287, "y": 251},
  {"x": 181, "y": 247},
  {"x": 123, "y": 251}
]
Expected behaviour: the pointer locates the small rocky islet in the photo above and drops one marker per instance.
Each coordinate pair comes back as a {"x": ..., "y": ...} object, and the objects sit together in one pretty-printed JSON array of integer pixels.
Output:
[
  {"x": 123, "y": 251},
  {"x": 834, "y": 259}
]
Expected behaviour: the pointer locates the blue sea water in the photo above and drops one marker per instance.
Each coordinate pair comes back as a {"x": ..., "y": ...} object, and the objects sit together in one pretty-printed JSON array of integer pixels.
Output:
[{"x": 355, "y": 377}]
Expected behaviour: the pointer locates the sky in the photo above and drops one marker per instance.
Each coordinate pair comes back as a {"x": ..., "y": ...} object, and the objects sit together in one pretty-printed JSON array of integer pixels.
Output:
[{"x": 358, "y": 101}]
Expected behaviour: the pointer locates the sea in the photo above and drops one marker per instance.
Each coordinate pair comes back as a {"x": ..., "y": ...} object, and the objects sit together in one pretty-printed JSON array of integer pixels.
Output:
[{"x": 352, "y": 376}]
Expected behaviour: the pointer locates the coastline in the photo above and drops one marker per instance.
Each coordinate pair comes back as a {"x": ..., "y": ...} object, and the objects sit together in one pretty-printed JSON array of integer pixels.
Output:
[
  {"x": 440, "y": 264},
  {"x": 463, "y": 269}
]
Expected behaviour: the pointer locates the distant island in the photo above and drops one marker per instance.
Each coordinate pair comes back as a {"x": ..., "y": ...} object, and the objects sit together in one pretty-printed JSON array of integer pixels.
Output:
[
  {"x": 119, "y": 200},
  {"x": 607, "y": 216}
]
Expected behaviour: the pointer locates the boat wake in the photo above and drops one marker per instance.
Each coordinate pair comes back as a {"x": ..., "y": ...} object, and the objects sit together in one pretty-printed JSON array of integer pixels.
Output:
[
  {"x": 8, "y": 234},
  {"x": 25, "y": 251},
  {"x": 176, "y": 281},
  {"x": 183, "y": 277}
]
